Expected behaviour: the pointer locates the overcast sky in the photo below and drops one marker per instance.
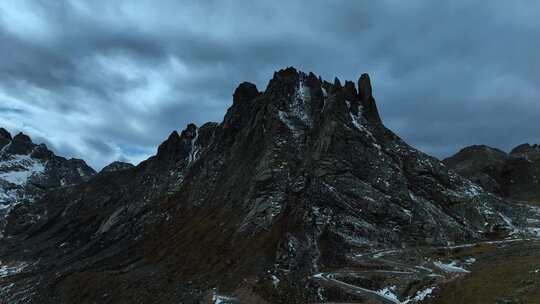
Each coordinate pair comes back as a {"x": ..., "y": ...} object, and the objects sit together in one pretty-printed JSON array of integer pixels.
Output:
[{"x": 109, "y": 80}]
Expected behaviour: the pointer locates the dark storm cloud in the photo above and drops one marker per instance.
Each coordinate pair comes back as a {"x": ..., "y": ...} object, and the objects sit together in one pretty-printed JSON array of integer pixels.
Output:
[{"x": 108, "y": 80}]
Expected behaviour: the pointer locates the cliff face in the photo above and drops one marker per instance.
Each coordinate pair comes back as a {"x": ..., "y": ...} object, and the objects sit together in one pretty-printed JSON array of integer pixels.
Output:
[{"x": 295, "y": 181}]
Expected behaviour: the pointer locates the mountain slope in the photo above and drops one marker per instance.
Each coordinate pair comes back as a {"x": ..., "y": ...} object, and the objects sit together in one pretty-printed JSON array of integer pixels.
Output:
[{"x": 296, "y": 183}]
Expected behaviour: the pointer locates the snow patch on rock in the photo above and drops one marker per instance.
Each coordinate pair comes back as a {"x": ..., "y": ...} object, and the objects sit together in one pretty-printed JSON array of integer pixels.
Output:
[
  {"x": 450, "y": 267},
  {"x": 18, "y": 168},
  {"x": 389, "y": 293},
  {"x": 420, "y": 295},
  {"x": 10, "y": 270},
  {"x": 357, "y": 122},
  {"x": 301, "y": 102},
  {"x": 113, "y": 219},
  {"x": 195, "y": 149},
  {"x": 284, "y": 117},
  {"x": 221, "y": 299}
]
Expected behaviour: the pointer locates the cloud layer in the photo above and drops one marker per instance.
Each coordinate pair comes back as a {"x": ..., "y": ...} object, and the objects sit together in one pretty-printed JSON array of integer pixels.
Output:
[{"x": 108, "y": 80}]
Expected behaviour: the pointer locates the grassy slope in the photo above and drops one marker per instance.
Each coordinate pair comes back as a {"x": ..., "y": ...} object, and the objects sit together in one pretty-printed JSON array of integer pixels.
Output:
[{"x": 510, "y": 274}]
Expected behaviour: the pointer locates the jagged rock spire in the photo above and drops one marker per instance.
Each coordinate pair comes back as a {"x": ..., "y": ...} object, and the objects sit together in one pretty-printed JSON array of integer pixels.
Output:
[
  {"x": 170, "y": 147},
  {"x": 366, "y": 99},
  {"x": 238, "y": 114},
  {"x": 177, "y": 146},
  {"x": 282, "y": 84},
  {"x": 337, "y": 84},
  {"x": 349, "y": 91},
  {"x": 364, "y": 87},
  {"x": 189, "y": 132},
  {"x": 246, "y": 91},
  {"x": 300, "y": 95}
]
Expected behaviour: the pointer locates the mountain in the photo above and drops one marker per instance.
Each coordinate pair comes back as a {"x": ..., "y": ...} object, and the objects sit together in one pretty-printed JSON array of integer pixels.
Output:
[
  {"x": 27, "y": 171},
  {"x": 295, "y": 197},
  {"x": 514, "y": 175}
]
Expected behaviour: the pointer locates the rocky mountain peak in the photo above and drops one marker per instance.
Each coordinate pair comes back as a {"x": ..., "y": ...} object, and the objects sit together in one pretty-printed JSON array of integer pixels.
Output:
[
  {"x": 283, "y": 84},
  {"x": 487, "y": 153},
  {"x": 364, "y": 87},
  {"x": 183, "y": 147},
  {"x": 21, "y": 144},
  {"x": 239, "y": 114},
  {"x": 169, "y": 148},
  {"x": 306, "y": 96},
  {"x": 42, "y": 152},
  {"x": 189, "y": 133},
  {"x": 21, "y": 137},
  {"x": 246, "y": 91},
  {"x": 287, "y": 73},
  {"x": 116, "y": 166},
  {"x": 297, "y": 98}
]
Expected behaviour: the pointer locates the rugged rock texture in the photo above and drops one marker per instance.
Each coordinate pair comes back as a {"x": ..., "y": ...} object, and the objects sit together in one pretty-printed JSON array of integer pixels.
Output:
[
  {"x": 298, "y": 179},
  {"x": 514, "y": 176},
  {"x": 27, "y": 171}
]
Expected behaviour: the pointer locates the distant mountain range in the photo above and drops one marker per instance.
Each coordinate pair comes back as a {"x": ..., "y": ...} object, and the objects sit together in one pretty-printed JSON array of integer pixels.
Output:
[{"x": 295, "y": 197}]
